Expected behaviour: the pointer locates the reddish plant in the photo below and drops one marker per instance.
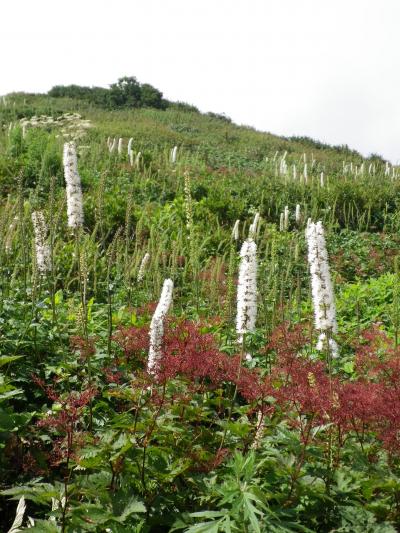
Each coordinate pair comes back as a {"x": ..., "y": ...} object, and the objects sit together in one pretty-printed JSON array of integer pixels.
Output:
[
  {"x": 370, "y": 403},
  {"x": 113, "y": 375},
  {"x": 134, "y": 341},
  {"x": 299, "y": 384},
  {"x": 188, "y": 352},
  {"x": 65, "y": 420},
  {"x": 85, "y": 347}
]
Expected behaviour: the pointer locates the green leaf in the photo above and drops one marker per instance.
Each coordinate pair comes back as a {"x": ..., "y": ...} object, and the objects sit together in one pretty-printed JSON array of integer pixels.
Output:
[
  {"x": 10, "y": 394},
  {"x": 13, "y": 421},
  {"x": 205, "y": 527},
  {"x": 5, "y": 359},
  {"x": 250, "y": 511},
  {"x": 348, "y": 367},
  {"x": 133, "y": 506},
  {"x": 208, "y": 514},
  {"x": 43, "y": 526}
]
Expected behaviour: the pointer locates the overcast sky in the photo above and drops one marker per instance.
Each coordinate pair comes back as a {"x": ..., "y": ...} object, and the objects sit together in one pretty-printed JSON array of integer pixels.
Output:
[{"x": 328, "y": 69}]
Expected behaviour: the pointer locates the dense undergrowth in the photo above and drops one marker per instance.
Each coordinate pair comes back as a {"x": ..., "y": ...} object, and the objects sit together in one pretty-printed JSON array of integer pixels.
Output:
[{"x": 284, "y": 440}]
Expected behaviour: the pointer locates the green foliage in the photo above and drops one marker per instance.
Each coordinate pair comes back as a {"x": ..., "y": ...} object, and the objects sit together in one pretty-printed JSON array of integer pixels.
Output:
[{"x": 127, "y": 92}]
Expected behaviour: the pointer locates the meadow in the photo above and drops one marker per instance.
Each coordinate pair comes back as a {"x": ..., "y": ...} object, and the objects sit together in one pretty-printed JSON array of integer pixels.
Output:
[{"x": 183, "y": 346}]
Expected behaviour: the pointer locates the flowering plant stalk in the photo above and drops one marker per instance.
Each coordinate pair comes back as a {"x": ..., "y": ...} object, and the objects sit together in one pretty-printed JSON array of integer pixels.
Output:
[
  {"x": 42, "y": 249},
  {"x": 142, "y": 268},
  {"x": 157, "y": 327},
  {"x": 73, "y": 187},
  {"x": 322, "y": 290},
  {"x": 247, "y": 290}
]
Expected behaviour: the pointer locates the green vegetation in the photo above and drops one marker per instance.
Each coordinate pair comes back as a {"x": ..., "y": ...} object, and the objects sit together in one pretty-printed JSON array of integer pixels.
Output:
[
  {"x": 286, "y": 440},
  {"x": 127, "y": 92}
]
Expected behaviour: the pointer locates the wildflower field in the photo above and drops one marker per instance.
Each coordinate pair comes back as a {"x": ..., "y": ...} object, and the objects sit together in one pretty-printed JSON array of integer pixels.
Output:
[{"x": 199, "y": 326}]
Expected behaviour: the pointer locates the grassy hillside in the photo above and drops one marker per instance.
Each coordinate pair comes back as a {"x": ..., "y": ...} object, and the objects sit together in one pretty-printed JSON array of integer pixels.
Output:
[{"x": 246, "y": 431}]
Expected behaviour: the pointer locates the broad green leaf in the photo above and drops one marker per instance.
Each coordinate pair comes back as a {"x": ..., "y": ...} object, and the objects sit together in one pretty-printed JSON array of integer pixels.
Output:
[
  {"x": 5, "y": 359},
  {"x": 133, "y": 506}
]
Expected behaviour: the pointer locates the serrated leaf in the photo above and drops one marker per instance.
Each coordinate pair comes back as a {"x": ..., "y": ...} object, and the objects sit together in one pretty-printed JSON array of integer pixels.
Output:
[{"x": 133, "y": 506}]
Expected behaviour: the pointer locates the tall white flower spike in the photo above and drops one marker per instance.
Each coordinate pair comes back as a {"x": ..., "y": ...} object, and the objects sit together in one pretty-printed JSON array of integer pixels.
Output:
[
  {"x": 157, "y": 327},
  {"x": 73, "y": 186},
  {"x": 247, "y": 290},
  {"x": 322, "y": 290}
]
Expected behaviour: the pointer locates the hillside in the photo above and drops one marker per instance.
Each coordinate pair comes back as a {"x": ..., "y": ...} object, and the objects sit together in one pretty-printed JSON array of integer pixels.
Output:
[
  {"x": 199, "y": 325},
  {"x": 179, "y": 125}
]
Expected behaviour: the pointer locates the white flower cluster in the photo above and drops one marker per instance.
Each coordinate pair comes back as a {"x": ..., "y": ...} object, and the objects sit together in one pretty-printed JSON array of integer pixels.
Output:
[
  {"x": 321, "y": 285},
  {"x": 298, "y": 214},
  {"x": 143, "y": 266},
  {"x": 120, "y": 145},
  {"x": 173, "y": 154},
  {"x": 247, "y": 289},
  {"x": 157, "y": 326},
  {"x": 235, "y": 231},
  {"x": 73, "y": 186},
  {"x": 72, "y": 125},
  {"x": 43, "y": 257},
  {"x": 130, "y": 142},
  {"x": 111, "y": 144},
  {"x": 254, "y": 226}
]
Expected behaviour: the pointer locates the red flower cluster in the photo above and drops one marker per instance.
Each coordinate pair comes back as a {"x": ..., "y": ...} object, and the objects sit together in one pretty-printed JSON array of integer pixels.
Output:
[
  {"x": 368, "y": 404},
  {"x": 190, "y": 353},
  {"x": 133, "y": 341},
  {"x": 85, "y": 347},
  {"x": 65, "y": 419},
  {"x": 301, "y": 387}
]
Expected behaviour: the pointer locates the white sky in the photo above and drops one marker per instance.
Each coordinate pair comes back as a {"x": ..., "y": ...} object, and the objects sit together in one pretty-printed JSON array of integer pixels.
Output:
[{"x": 329, "y": 69}]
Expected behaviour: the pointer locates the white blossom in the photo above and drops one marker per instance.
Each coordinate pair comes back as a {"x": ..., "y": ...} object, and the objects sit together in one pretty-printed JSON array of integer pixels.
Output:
[
  {"x": 254, "y": 226},
  {"x": 130, "y": 147},
  {"x": 173, "y": 154},
  {"x": 42, "y": 250},
  {"x": 247, "y": 289},
  {"x": 235, "y": 231},
  {"x": 113, "y": 145},
  {"x": 281, "y": 222},
  {"x": 73, "y": 186},
  {"x": 120, "y": 143},
  {"x": 321, "y": 286},
  {"x": 157, "y": 326},
  {"x": 322, "y": 179},
  {"x": 143, "y": 266},
  {"x": 298, "y": 214},
  {"x": 286, "y": 218}
]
